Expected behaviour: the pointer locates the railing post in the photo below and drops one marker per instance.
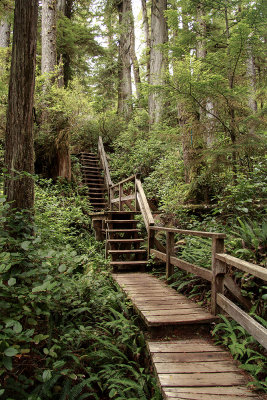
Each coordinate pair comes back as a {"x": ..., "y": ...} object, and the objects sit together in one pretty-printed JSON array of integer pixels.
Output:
[
  {"x": 120, "y": 195},
  {"x": 169, "y": 253},
  {"x": 218, "y": 271},
  {"x": 135, "y": 194},
  {"x": 151, "y": 240}
]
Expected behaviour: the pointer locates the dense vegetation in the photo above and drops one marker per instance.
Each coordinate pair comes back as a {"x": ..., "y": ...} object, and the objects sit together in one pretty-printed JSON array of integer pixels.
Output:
[
  {"x": 66, "y": 330},
  {"x": 195, "y": 132}
]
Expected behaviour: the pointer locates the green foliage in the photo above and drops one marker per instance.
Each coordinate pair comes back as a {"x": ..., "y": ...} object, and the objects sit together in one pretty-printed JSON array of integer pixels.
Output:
[
  {"x": 244, "y": 348},
  {"x": 66, "y": 330}
]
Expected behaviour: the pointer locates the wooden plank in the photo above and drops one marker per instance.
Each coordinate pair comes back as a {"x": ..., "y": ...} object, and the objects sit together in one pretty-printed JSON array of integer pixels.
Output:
[
  {"x": 202, "y": 379},
  {"x": 158, "y": 254},
  {"x": 116, "y": 185},
  {"x": 245, "y": 266},
  {"x": 251, "y": 325},
  {"x": 196, "y": 367},
  {"x": 198, "y": 396},
  {"x": 194, "y": 269},
  {"x": 183, "y": 311},
  {"x": 123, "y": 198},
  {"x": 144, "y": 202},
  {"x": 182, "y": 346},
  {"x": 206, "y": 356},
  {"x": 179, "y": 319},
  {"x": 235, "y": 290},
  {"x": 188, "y": 232},
  {"x": 169, "y": 252},
  {"x": 209, "y": 390},
  {"x": 159, "y": 306}
]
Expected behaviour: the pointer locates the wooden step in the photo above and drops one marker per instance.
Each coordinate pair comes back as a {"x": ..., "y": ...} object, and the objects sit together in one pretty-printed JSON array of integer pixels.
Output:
[
  {"x": 92, "y": 184},
  {"x": 121, "y": 221},
  {"x": 131, "y": 251},
  {"x": 125, "y": 240},
  {"x": 127, "y": 263},
  {"x": 123, "y": 230},
  {"x": 91, "y": 168},
  {"x": 96, "y": 199}
]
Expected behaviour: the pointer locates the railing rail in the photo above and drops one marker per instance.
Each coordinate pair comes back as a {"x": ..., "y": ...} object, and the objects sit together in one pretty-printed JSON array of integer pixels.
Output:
[
  {"x": 217, "y": 275},
  {"x": 104, "y": 163}
]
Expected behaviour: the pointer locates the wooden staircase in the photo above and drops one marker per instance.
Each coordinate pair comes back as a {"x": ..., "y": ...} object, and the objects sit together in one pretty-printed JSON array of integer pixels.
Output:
[
  {"x": 92, "y": 177},
  {"x": 187, "y": 367},
  {"x": 123, "y": 242}
]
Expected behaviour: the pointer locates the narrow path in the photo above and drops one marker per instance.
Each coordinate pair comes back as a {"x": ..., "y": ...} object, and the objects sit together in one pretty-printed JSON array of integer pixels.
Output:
[{"x": 194, "y": 368}]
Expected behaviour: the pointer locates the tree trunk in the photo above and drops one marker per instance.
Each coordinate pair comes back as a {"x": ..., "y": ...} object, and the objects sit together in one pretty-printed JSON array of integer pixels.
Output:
[
  {"x": 147, "y": 36},
  {"x": 158, "y": 62},
  {"x": 49, "y": 51},
  {"x": 134, "y": 59},
  {"x": 19, "y": 155},
  {"x": 251, "y": 72},
  {"x": 125, "y": 81},
  {"x": 4, "y": 33}
]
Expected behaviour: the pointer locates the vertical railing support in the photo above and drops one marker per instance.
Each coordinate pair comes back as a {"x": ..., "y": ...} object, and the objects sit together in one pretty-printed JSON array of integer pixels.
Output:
[
  {"x": 151, "y": 240},
  {"x": 169, "y": 253},
  {"x": 120, "y": 196},
  {"x": 218, "y": 271}
]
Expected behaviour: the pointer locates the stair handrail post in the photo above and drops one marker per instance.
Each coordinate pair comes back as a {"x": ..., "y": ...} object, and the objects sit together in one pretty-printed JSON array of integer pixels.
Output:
[
  {"x": 218, "y": 273},
  {"x": 151, "y": 240},
  {"x": 169, "y": 253}
]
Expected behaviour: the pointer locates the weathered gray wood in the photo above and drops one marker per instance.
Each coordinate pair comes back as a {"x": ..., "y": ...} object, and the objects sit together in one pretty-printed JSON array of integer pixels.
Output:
[
  {"x": 205, "y": 379},
  {"x": 191, "y": 357},
  {"x": 194, "y": 269},
  {"x": 158, "y": 254},
  {"x": 245, "y": 266},
  {"x": 116, "y": 185},
  {"x": 196, "y": 367},
  {"x": 192, "y": 233},
  {"x": 122, "y": 199},
  {"x": 201, "y": 318},
  {"x": 169, "y": 253},
  {"x": 218, "y": 272},
  {"x": 220, "y": 391},
  {"x": 251, "y": 325},
  {"x": 235, "y": 290},
  {"x": 104, "y": 162},
  {"x": 143, "y": 198}
]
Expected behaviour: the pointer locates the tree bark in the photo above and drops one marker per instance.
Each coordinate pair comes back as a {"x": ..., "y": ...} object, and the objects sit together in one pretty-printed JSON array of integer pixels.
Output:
[
  {"x": 4, "y": 33},
  {"x": 158, "y": 62},
  {"x": 125, "y": 81},
  {"x": 49, "y": 51},
  {"x": 134, "y": 59},
  {"x": 147, "y": 36},
  {"x": 19, "y": 154}
]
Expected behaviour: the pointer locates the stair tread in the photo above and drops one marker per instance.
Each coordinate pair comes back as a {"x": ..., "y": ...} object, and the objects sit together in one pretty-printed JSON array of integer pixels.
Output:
[
  {"x": 123, "y": 230},
  {"x": 126, "y": 251},
  {"x": 128, "y": 262},
  {"x": 125, "y": 240},
  {"x": 121, "y": 221}
]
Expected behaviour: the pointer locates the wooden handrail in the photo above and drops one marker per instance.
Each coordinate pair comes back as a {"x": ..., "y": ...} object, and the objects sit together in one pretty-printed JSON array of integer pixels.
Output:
[
  {"x": 188, "y": 232},
  {"x": 131, "y": 178},
  {"x": 104, "y": 163},
  {"x": 144, "y": 206},
  {"x": 217, "y": 275},
  {"x": 245, "y": 266}
]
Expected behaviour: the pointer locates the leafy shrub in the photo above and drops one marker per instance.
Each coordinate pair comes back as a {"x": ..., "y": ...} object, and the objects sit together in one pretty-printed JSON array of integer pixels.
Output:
[{"x": 66, "y": 331}]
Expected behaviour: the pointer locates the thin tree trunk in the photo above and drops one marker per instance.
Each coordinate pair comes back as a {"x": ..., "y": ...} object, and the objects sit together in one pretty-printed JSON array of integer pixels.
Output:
[
  {"x": 147, "y": 36},
  {"x": 134, "y": 59},
  {"x": 4, "y": 33},
  {"x": 19, "y": 155},
  {"x": 231, "y": 109},
  {"x": 251, "y": 72},
  {"x": 125, "y": 81},
  {"x": 49, "y": 52},
  {"x": 158, "y": 62}
]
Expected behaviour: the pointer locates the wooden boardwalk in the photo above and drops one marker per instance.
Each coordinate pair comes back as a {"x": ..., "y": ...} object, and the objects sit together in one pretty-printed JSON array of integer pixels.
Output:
[
  {"x": 158, "y": 304},
  {"x": 191, "y": 369}
]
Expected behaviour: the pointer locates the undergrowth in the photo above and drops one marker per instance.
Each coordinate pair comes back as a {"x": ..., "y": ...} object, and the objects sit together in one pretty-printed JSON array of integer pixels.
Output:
[{"x": 66, "y": 331}]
